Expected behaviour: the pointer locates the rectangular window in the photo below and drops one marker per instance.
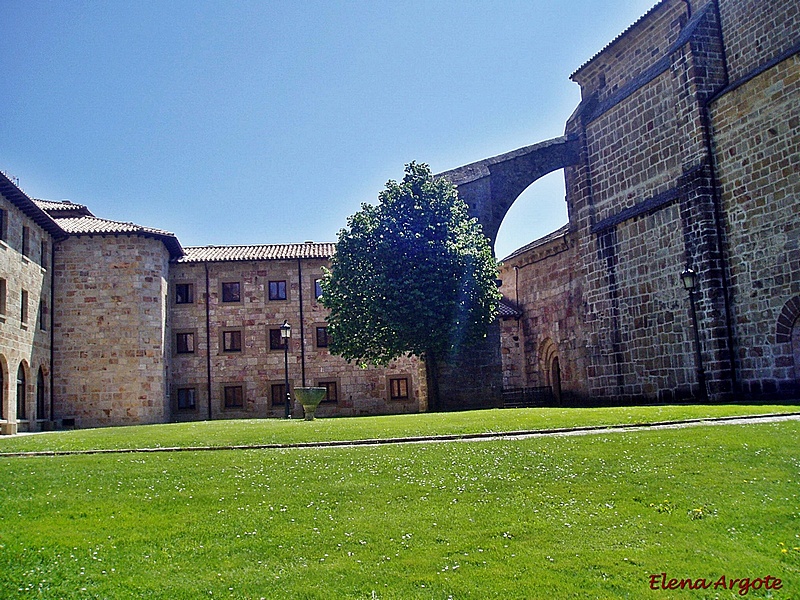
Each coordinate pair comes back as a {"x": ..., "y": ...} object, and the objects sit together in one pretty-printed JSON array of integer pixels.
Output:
[
  {"x": 23, "y": 315},
  {"x": 184, "y": 293},
  {"x": 3, "y": 225},
  {"x": 187, "y": 398},
  {"x": 278, "y": 395},
  {"x": 277, "y": 290},
  {"x": 233, "y": 396},
  {"x": 184, "y": 343},
  {"x": 318, "y": 288},
  {"x": 398, "y": 388},
  {"x": 2, "y": 296},
  {"x": 232, "y": 340},
  {"x": 322, "y": 337},
  {"x": 43, "y": 251},
  {"x": 42, "y": 315},
  {"x": 331, "y": 395},
  {"x": 231, "y": 291},
  {"x": 26, "y": 242},
  {"x": 275, "y": 339}
]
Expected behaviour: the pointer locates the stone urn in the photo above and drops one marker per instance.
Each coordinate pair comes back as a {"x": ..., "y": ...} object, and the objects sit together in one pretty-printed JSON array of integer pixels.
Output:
[{"x": 309, "y": 397}]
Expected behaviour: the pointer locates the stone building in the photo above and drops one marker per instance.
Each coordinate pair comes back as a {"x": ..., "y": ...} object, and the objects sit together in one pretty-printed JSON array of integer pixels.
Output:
[
  {"x": 687, "y": 144},
  {"x": 682, "y": 154},
  {"x": 227, "y": 305},
  {"x": 27, "y": 236},
  {"x": 107, "y": 323}
]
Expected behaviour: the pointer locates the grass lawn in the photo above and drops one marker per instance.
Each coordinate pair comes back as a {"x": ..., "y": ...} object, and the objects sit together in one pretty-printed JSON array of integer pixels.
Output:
[
  {"x": 278, "y": 431},
  {"x": 551, "y": 517}
]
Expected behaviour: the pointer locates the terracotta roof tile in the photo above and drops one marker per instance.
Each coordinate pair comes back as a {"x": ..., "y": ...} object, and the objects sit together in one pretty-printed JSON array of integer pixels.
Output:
[
  {"x": 65, "y": 208},
  {"x": 12, "y": 192},
  {"x": 507, "y": 309},
  {"x": 96, "y": 226},
  {"x": 258, "y": 252}
]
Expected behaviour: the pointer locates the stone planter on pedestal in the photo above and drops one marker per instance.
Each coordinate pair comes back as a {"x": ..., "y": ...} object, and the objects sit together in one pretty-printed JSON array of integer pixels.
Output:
[{"x": 309, "y": 397}]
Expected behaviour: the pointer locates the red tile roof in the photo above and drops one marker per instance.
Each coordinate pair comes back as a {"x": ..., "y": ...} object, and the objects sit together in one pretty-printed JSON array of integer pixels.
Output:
[
  {"x": 96, "y": 226},
  {"x": 258, "y": 252},
  {"x": 65, "y": 208},
  {"x": 21, "y": 200}
]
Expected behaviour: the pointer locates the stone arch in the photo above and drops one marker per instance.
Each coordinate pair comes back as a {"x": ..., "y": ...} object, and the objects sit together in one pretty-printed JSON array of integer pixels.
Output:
[
  {"x": 550, "y": 367},
  {"x": 490, "y": 186},
  {"x": 22, "y": 391}
]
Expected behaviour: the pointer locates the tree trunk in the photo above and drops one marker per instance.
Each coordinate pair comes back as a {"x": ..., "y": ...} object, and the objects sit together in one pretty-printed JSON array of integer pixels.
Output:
[{"x": 432, "y": 378}]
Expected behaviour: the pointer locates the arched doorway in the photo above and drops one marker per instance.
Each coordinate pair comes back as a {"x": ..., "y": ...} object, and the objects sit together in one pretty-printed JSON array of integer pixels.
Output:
[
  {"x": 787, "y": 333},
  {"x": 550, "y": 367},
  {"x": 21, "y": 415}
]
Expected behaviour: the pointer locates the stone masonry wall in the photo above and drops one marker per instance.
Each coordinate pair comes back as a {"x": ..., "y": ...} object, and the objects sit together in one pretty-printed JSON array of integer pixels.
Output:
[
  {"x": 642, "y": 208},
  {"x": 257, "y": 368},
  {"x": 110, "y": 330},
  {"x": 24, "y": 333},
  {"x": 757, "y": 31},
  {"x": 757, "y": 136},
  {"x": 552, "y": 315},
  {"x": 632, "y": 54}
]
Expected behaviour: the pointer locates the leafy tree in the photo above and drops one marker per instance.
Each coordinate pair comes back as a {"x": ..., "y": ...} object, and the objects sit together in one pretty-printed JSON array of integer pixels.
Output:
[{"x": 413, "y": 275}]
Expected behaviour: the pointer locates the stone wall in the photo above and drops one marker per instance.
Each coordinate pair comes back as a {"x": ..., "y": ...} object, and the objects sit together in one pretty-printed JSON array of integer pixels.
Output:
[
  {"x": 25, "y": 285},
  {"x": 643, "y": 206},
  {"x": 757, "y": 136},
  {"x": 110, "y": 330},
  {"x": 757, "y": 31},
  {"x": 258, "y": 368},
  {"x": 553, "y": 314}
]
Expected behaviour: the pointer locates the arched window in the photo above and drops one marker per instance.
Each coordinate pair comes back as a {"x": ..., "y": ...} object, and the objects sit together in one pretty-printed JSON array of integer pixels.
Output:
[
  {"x": 21, "y": 393},
  {"x": 2, "y": 394},
  {"x": 40, "y": 395}
]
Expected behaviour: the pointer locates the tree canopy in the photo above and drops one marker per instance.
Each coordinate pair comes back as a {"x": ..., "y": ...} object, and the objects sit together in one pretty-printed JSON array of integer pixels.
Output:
[{"x": 413, "y": 275}]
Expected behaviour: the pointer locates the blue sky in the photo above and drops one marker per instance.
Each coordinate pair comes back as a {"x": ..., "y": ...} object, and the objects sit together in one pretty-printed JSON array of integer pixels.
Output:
[{"x": 269, "y": 122}]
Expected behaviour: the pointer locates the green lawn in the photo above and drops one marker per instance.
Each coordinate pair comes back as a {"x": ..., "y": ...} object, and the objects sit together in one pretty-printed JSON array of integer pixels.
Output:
[
  {"x": 278, "y": 431},
  {"x": 550, "y": 517}
]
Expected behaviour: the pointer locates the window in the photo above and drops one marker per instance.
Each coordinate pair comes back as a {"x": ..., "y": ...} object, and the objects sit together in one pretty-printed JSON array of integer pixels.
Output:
[
  {"x": 187, "y": 398},
  {"x": 23, "y": 313},
  {"x": 277, "y": 290},
  {"x": 232, "y": 340},
  {"x": 231, "y": 291},
  {"x": 398, "y": 388},
  {"x": 233, "y": 396},
  {"x": 26, "y": 242},
  {"x": 318, "y": 288},
  {"x": 2, "y": 296},
  {"x": 278, "y": 395},
  {"x": 322, "y": 337},
  {"x": 43, "y": 254},
  {"x": 331, "y": 395},
  {"x": 42, "y": 315},
  {"x": 184, "y": 293},
  {"x": 21, "y": 393},
  {"x": 184, "y": 342},
  {"x": 275, "y": 339},
  {"x": 3, "y": 225},
  {"x": 2, "y": 393},
  {"x": 40, "y": 395}
]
